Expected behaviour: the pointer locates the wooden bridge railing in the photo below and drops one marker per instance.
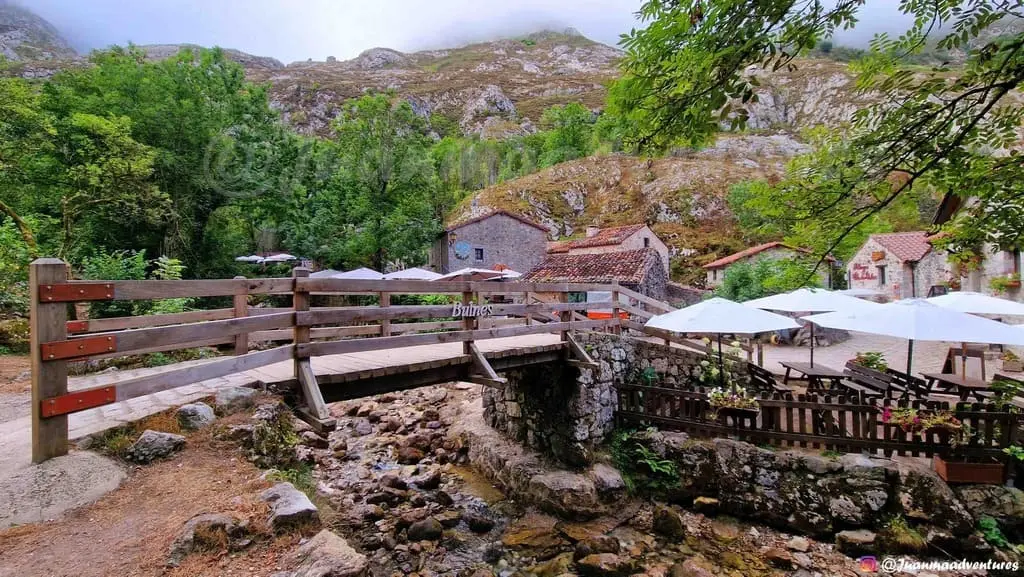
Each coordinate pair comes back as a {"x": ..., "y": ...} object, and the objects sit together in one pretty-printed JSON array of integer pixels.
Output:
[{"x": 303, "y": 328}]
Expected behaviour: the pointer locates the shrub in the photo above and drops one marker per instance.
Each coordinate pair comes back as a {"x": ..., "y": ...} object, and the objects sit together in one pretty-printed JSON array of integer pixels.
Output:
[
  {"x": 642, "y": 468},
  {"x": 14, "y": 335},
  {"x": 871, "y": 360}
]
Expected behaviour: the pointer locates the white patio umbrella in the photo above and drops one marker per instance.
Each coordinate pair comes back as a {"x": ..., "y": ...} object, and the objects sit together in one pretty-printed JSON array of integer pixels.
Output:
[
  {"x": 978, "y": 304},
  {"x": 860, "y": 292},
  {"x": 414, "y": 273},
  {"x": 326, "y": 273},
  {"x": 469, "y": 273},
  {"x": 918, "y": 319},
  {"x": 281, "y": 257},
  {"x": 249, "y": 258},
  {"x": 811, "y": 300},
  {"x": 721, "y": 316},
  {"x": 362, "y": 273}
]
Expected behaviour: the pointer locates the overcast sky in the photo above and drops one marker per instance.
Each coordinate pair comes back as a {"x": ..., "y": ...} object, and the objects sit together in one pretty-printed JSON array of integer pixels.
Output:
[{"x": 291, "y": 30}]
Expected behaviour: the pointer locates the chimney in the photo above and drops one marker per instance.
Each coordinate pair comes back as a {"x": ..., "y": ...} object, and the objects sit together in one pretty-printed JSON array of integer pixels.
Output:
[{"x": 592, "y": 231}]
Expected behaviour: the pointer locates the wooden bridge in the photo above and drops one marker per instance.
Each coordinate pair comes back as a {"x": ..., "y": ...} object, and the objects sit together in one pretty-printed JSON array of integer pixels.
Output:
[{"x": 330, "y": 353}]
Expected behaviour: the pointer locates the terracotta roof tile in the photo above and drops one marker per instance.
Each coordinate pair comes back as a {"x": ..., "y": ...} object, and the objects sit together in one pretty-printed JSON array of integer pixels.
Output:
[
  {"x": 906, "y": 246},
  {"x": 607, "y": 236},
  {"x": 625, "y": 266},
  {"x": 558, "y": 246},
  {"x": 459, "y": 224}
]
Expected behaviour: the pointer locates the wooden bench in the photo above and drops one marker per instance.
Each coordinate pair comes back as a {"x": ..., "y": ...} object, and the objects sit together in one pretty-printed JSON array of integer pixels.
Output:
[
  {"x": 915, "y": 385},
  {"x": 764, "y": 381},
  {"x": 869, "y": 382}
]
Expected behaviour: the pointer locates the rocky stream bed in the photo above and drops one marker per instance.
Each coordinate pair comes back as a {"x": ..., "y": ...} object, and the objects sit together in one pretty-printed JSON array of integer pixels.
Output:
[{"x": 406, "y": 496}]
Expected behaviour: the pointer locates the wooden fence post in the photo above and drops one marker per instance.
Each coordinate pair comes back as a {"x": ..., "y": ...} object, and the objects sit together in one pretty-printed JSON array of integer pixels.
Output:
[
  {"x": 564, "y": 316},
  {"x": 468, "y": 323},
  {"x": 241, "y": 303},
  {"x": 385, "y": 324},
  {"x": 616, "y": 322},
  {"x": 48, "y": 321},
  {"x": 300, "y": 303}
]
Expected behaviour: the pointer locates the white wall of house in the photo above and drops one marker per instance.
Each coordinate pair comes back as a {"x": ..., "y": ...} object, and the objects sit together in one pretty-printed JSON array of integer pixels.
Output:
[
  {"x": 997, "y": 263},
  {"x": 876, "y": 267},
  {"x": 715, "y": 276},
  {"x": 643, "y": 238}
]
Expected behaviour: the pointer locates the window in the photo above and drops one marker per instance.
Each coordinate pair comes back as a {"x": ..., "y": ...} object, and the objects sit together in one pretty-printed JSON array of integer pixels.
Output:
[
  {"x": 478, "y": 253},
  {"x": 647, "y": 242},
  {"x": 1016, "y": 261},
  {"x": 577, "y": 297},
  {"x": 881, "y": 275},
  {"x": 714, "y": 274}
]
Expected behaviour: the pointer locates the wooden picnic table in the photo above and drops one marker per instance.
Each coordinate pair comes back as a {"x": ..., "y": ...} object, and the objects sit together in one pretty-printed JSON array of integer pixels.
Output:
[
  {"x": 965, "y": 386},
  {"x": 816, "y": 375}
]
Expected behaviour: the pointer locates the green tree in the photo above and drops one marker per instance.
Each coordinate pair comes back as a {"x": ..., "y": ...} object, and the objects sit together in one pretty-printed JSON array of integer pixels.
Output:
[
  {"x": 744, "y": 281},
  {"x": 568, "y": 136},
  {"x": 386, "y": 180},
  {"x": 685, "y": 74}
]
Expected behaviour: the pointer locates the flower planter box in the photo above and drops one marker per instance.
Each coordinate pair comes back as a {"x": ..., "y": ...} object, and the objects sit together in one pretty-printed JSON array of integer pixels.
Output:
[
  {"x": 974, "y": 473},
  {"x": 1013, "y": 366},
  {"x": 1014, "y": 284}
]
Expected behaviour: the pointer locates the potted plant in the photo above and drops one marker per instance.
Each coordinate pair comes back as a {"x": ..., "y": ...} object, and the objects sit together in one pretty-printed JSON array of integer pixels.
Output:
[
  {"x": 1002, "y": 284},
  {"x": 872, "y": 360},
  {"x": 953, "y": 432},
  {"x": 1012, "y": 362},
  {"x": 732, "y": 401}
]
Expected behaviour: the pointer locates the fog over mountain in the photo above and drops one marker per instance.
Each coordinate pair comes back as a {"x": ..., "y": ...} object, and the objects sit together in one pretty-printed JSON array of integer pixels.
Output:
[{"x": 291, "y": 30}]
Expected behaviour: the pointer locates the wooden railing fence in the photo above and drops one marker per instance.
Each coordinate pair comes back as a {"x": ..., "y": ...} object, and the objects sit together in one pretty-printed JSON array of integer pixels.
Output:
[
  {"x": 303, "y": 331},
  {"x": 826, "y": 422}
]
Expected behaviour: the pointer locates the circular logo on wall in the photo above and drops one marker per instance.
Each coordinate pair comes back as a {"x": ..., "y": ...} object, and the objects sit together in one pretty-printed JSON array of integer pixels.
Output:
[{"x": 462, "y": 249}]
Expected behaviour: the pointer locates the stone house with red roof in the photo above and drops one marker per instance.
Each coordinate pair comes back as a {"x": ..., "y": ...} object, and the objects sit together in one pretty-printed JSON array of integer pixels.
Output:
[
  {"x": 1005, "y": 263},
  {"x": 619, "y": 238},
  {"x": 770, "y": 250},
  {"x": 497, "y": 238},
  {"x": 641, "y": 270},
  {"x": 898, "y": 264}
]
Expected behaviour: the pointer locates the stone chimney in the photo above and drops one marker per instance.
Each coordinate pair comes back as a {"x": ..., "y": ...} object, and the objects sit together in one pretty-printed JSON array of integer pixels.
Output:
[{"x": 592, "y": 231}]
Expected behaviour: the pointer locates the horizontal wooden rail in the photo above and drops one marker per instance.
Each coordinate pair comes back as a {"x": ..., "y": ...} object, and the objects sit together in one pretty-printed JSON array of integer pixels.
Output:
[
  {"x": 139, "y": 386},
  {"x": 381, "y": 343},
  {"x": 409, "y": 312},
  {"x": 183, "y": 336},
  {"x": 145, "y": 321},
  {"x": 123, "y": 290},
  {"x": 644, "y": 299},
  {"x": 343, "y": 286}
]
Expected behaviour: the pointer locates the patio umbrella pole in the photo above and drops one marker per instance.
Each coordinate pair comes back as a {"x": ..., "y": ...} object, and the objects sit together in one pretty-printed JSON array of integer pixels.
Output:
[
  {"x": 812, "y": 345},
  {"x": 721, "y": 365},
  {"x": 910, "y": 356}
]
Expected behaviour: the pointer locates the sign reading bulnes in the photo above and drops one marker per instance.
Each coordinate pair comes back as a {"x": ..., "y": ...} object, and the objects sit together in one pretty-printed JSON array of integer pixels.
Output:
[{"x": 460, "y": 310}]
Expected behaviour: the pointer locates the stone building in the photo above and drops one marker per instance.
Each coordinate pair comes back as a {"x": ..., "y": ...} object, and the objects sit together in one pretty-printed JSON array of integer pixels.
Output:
[
  {"x": 641, "y": 270},
  {"x": 619, "y": 238},
  {"x": 494, "y": 239},
  {"x": 770, "y": 250},
  {"x": 997, "y": 262},
  {"x": 899, "y": 264}
]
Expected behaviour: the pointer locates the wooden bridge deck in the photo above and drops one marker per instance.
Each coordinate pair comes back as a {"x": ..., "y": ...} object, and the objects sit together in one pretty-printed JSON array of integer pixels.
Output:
[{"x": 332, "y": 371}]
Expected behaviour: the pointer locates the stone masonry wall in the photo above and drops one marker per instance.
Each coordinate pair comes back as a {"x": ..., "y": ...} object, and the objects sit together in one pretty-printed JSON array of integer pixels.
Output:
[{"x": 566, "y": 411}]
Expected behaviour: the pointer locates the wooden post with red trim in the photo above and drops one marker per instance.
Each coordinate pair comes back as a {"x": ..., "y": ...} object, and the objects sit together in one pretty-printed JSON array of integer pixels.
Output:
[
  {"x": 48, "y": 322},
  {"x": 241, "y": 304}
]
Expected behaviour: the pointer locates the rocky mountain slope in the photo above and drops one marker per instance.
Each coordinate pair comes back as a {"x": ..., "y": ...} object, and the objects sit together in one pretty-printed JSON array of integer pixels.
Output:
[
  {"x": 26, "y": 36},
  {"x": 682, "y": 197},
  {"x": 492, "y": 88}
]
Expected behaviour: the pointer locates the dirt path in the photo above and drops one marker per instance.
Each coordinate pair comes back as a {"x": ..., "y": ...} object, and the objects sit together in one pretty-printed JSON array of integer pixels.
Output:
[{"x": 128, "y": 532}]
